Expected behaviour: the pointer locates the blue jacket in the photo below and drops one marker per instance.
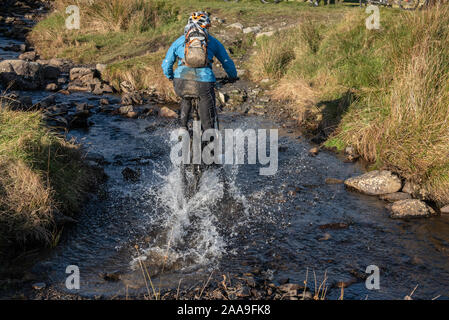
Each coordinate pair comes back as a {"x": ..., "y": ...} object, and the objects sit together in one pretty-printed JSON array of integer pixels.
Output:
[{"x": 214, "y": 49}]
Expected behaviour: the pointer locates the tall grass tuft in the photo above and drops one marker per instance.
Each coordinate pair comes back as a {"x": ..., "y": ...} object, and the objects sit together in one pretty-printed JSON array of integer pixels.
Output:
[{"x": 41, "y": 175}]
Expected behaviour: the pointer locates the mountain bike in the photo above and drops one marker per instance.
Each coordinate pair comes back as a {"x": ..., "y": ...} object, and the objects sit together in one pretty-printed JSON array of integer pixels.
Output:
[{"x": 191, "y": 173}]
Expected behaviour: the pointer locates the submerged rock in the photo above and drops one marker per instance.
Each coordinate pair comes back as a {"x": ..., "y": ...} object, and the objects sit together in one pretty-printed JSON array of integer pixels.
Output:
[
  {"x": 167, "y": 113},
  {"x": 397, "y": 196},
  {"x": 130, "y": 174},
  {"x": 375, "y": 183},
  {"x": 410, "y": 208},
  {"x": 445, "y": 210}
]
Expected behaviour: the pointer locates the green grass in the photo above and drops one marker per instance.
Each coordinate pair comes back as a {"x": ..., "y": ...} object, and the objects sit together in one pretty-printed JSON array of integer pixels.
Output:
[{"x": 386, "y": 90}]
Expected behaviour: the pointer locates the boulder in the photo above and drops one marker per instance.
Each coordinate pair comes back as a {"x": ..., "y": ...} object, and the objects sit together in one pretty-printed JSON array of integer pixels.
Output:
[
  {"x": 167, "y": 113},
  {"x": 132, "y": 98},
  {"x": 375, "y": 183},
  {"x": 21, "y": 74},
  {"x": 50, "y": 72},
  {"x": 51, "y": 87},
  {"x": 28, "y": 56},
  {"x": 410, "y": 208}
]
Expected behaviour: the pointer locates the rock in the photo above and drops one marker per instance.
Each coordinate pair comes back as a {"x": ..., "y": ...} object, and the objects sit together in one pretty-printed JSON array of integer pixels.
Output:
[
  {"x": 445, "y": 210},
  {"x": 104, "y": 101},
  {"x": 333, "y": 181},
  {"x": 264, "y": 34},
  {"x": 236, "y": 25},
  {"x": 50, "y": 72},
  {"x": 20, "y": 74},
  {"x": 314, "y": 151},
  {"x": 375, "y": 183},
  {"x": 126, "y": 109},
  {"x": 252, "y": 29},
  {"x": 290, "y": 289},
  {"x": 131, "y": 175},
  {"x": 28, "y": 56},
  {"x": 51, "y": 87},
  {"x": 167, "y": 113},
  {"x": 132, "y": 115},
  {"x": 410, "y": 208},
  {"x": 334, "y": 226},
  {"x": 132, "y": 98},
  {"x": 54, "y": 62},
  {"x": 415, "y": 190},
  {"x": 39, "y": 286},
  {"x": 100, "y": 67},
  {"x": 392, "y": 197},
  {"x": 85, "y": 75}
]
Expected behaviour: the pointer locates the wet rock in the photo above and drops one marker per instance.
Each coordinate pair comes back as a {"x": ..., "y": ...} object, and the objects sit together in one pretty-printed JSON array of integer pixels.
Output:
[
  {"x": 411, "y": 208},
  {"x": 112, "y": 277},
  {"x": 333, "y": 181},
  {"x": 445, "y": 210},
  {"x": 132, "y": 115},
  {"x": 20, "y": 74},
  {"x": 51, "y": 87},
  {"x": 132, "y": 98},
  {"x": 325, "y": 237},
  {"x": 334, "y": 226},
  {"x": 28, "y": 56},
  {"x": 392, "y": 197},
  {"x": 85, "y": 75},
  {"x": 50, "y": 72},
  {"x": 351, "y": 154},
  {"x": 415, "y": 190},
  {"x": 375, "y": 183},
  {"x": 126, "y": 109},
  {"x": 167, "y": 113},
  {"x": 290, "y": 289},
  {"x": 39, "y": 286},
  {"x": 314, "y": 151},
  {"x": 104, "y": 101},
  {"x": 131, "y": 175}
]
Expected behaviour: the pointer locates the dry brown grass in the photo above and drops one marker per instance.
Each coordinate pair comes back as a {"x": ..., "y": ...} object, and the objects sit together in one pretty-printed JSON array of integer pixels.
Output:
[
  {"x": 41, "y": 174},
  {"x": 411, "y": 136}
]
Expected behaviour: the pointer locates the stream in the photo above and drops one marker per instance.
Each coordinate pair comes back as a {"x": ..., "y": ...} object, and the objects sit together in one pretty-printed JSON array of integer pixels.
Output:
[{"x": 275, "y": 227}]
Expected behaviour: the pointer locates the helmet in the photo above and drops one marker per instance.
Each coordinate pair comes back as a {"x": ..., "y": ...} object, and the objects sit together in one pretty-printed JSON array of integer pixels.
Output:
[{"x": 201, "y": 18}]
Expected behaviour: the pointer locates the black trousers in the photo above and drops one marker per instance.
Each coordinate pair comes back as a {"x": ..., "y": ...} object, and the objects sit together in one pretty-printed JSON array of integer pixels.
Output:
[{"x": 206, "y": 105}]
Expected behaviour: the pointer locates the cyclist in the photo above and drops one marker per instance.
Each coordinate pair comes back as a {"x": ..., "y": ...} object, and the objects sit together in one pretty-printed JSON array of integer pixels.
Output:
[{"x": 199, "y": 80}]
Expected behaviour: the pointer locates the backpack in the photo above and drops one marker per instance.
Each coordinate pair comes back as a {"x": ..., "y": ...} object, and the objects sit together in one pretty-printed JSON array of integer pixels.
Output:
[{"x": 195, "y": 50}]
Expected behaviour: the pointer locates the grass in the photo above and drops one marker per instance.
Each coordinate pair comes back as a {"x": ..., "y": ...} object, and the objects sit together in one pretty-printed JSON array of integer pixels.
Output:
[
  {"x": 131, "y": 36},
  {"x": 41, "y": 175},
  {"x": 385, "y": 92}
]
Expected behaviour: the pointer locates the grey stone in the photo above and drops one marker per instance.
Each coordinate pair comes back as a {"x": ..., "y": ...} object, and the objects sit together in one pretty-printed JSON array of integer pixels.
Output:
[
  {"x": 411, "y": 208},
  {"x": 375, "y": 183}
]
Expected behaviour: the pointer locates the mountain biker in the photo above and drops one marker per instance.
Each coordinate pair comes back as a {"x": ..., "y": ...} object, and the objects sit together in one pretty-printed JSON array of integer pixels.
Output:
[{"x": 199, "y": 80}]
